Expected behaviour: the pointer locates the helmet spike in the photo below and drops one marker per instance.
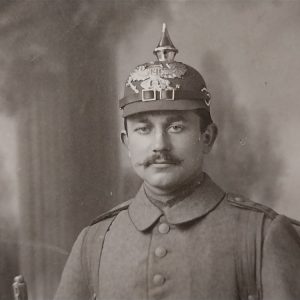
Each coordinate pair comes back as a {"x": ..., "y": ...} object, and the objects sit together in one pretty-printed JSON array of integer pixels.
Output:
[{"x": 165, "y": 50}]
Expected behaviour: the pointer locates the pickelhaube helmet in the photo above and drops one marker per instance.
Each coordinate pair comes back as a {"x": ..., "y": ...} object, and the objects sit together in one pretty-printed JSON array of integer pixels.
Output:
[{"x": 164, "y": 84}]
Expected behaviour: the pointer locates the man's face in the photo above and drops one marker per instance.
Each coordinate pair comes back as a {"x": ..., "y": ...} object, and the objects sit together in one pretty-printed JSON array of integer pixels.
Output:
[{"x": 166, "y": 148}]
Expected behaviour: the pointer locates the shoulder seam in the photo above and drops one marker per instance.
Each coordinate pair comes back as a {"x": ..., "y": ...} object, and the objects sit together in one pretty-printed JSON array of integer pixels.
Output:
[
  {"x": 242, "y": 202},
  {"x": 294, "y": 222},
  {"x": 111, "y": 213}
]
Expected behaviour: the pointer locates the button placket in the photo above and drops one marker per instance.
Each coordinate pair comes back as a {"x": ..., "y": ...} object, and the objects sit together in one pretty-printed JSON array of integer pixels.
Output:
[{"x": 158, "y": 268}]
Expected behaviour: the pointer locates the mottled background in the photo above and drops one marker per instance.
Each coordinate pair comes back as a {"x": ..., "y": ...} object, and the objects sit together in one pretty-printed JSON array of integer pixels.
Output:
[{"x": 62, "y": 68}]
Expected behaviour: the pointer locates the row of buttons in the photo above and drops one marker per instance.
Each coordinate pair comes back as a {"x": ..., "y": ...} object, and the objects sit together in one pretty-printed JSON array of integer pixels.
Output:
[{"x": 160, "y": 252}]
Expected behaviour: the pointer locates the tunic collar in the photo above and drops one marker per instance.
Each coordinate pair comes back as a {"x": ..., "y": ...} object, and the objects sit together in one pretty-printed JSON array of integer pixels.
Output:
[{"x": 204, "y": 199}]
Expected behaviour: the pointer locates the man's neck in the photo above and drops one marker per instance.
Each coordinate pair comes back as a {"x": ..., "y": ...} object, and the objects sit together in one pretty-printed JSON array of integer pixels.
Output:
[{"x": 168, "y": 197}]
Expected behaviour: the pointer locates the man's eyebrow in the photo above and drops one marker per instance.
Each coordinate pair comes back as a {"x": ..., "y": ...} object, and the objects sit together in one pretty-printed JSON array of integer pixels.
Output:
[
  {"x": 176, "y": 118},
  {"x": 169, "y": 119},
  {"x": 141, "y": 119}
]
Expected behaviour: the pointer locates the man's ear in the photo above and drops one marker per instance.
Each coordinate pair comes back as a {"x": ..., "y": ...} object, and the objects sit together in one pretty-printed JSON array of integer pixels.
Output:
[
  {"x": 208, "y": 137},
  {"x": 124, "y": 138}
]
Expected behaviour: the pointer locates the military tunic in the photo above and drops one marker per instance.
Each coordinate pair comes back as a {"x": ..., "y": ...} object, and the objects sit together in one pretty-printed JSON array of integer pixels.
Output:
[{"x": 187, "y": 252}]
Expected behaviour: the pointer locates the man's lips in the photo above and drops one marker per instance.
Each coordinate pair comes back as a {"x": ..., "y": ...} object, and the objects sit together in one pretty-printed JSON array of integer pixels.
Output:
[{"x": 164, "y": 162}]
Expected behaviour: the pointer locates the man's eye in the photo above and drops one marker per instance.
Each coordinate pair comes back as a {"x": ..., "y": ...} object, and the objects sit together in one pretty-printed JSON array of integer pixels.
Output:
[
  {"x": 176, "y": 128},
  {"x": 142, "y": 130}
]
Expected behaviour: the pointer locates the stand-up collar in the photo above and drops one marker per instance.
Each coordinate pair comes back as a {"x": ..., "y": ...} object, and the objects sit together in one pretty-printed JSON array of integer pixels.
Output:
[{"x": 204, "y": 199}]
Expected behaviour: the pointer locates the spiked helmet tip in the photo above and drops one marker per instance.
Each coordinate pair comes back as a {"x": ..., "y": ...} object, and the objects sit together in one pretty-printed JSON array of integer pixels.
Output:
[{"x": 165, "y": 50}]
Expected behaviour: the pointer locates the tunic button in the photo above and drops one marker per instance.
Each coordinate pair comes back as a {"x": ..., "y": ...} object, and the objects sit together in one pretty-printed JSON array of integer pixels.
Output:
[
  {"x": 163, "y": 228},
  {"x": 160, "y": 252},
  {"x": 158, "y": 279}
]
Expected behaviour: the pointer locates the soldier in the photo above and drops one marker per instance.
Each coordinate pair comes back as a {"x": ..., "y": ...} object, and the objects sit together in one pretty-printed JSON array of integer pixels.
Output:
[{"x": 181, "y": 237}]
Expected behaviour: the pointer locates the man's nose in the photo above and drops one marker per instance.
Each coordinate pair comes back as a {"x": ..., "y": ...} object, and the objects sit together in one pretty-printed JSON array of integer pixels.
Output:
[{"x": 161, "y": 142}]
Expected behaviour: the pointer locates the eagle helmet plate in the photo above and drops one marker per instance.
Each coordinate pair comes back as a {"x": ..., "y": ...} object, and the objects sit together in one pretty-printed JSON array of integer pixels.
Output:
[{"x": 164, "y": 84}]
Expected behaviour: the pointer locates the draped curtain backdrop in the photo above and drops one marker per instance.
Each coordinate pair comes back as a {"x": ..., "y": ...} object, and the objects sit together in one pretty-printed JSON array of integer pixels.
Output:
[{"x": 63, "y": 66}]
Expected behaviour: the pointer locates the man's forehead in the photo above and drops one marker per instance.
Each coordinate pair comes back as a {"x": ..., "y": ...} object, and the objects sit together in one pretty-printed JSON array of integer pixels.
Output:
[{"x": 162, "y": 115}]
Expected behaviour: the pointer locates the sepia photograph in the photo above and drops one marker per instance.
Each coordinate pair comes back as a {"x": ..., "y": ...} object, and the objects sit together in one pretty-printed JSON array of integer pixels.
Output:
[{"x": 149, "y": 150}]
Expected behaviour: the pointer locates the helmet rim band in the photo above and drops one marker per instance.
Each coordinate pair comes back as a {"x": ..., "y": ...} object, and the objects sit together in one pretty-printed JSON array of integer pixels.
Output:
[
  {"x": 176, "y": 95},
  {"x": 163, "y": 105}
]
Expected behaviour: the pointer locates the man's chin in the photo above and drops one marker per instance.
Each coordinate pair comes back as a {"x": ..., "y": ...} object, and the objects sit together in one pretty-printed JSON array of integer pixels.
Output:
[{"x": 163, "y": 181}]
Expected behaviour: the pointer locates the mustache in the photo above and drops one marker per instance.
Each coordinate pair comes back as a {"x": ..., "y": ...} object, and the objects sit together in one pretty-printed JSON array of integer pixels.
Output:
[{"x": 161, "y": 157}]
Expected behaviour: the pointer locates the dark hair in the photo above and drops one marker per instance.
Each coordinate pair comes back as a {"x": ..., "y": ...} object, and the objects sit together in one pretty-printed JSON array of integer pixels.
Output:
[{"x": 205, "y": 119}]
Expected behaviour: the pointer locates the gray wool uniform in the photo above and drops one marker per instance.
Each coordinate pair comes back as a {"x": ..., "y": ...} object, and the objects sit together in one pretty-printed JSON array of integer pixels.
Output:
[{"x": 189, "y": 251}]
